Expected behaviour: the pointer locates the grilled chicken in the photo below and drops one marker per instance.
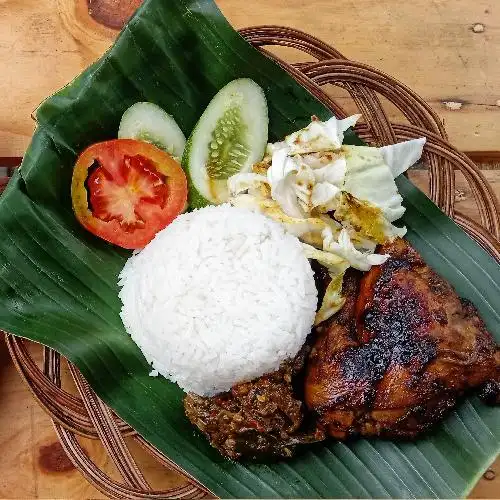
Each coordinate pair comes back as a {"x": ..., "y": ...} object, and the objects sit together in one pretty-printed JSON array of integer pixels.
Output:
[{"x": 395, "y": 359}]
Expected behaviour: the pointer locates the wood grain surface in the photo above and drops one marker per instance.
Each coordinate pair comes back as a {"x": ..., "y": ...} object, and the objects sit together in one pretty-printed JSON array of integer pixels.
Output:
[{"x": 446, "y": 50}]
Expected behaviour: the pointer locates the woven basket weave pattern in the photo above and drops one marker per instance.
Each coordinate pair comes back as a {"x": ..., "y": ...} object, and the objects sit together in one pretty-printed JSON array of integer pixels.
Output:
[{"x": 87, "y": 416}]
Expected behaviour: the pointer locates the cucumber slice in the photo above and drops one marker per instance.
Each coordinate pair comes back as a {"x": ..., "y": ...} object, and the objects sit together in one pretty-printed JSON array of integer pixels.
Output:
[
  {"x": 230, "y": 137},
  {"x": 148, "y": 122}
]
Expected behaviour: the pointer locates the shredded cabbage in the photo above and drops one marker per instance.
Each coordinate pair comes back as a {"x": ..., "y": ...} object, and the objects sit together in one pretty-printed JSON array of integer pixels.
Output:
[
  {"x": 343, "y": 247},
  {"x": 241, "y": 182},
  {"x": 309, "y": 230},
  {"x": 367, "y": 219},
  {"x": 369, "y": 178},
  {"x": 332, "y": 300},
  {"x": 320, "y": 136},
  {"x": 400, "y": 157},
  {"x": 281, "y": 176},
  {"x": 309, "y": 176}
]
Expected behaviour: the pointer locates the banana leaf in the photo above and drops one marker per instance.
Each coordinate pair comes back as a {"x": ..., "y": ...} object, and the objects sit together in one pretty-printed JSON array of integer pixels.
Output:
[{"x": 58, "y": 283}]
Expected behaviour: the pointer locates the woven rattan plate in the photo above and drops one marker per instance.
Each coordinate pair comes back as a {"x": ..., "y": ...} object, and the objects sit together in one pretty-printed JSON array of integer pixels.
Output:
[{"x": 369, "y": 88}]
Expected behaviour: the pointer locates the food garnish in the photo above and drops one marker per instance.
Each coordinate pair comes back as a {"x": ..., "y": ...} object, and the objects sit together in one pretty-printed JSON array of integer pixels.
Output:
[
  {"x": 229, "y": 138},
  {"x": 125, "y": 191},
  {"x": 341, "y": 199},
  {"x": 146, "y": 121}
]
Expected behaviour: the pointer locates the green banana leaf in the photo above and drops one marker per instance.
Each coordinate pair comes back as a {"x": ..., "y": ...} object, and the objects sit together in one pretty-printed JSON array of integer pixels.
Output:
[{"x": 58, "y": 283}]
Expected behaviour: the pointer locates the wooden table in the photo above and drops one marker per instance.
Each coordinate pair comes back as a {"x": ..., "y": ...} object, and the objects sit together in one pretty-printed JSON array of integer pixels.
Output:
[{"x": 446, "y": 50}]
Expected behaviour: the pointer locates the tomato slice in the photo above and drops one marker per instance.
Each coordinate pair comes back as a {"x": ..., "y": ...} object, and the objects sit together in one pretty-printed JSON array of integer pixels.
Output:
[{"x": 125, "y": 191}]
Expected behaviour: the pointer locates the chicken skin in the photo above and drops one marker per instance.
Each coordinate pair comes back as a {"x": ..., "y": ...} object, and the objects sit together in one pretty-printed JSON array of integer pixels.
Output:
[{"x": 399, "y": 354}]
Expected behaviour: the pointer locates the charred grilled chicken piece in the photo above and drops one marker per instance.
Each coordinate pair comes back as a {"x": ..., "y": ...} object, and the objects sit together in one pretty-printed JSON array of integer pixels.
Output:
[
  {"x": 261, "y": 419},
  {"x": 395, "y": 359}
]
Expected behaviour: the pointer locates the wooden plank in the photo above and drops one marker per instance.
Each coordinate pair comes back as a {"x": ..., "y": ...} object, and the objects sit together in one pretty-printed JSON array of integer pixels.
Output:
[{"x": 430, "y": 46}]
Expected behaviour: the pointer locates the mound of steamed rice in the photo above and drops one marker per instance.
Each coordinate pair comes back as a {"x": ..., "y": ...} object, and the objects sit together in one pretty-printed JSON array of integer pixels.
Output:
[{"x": 220, "y": 296}]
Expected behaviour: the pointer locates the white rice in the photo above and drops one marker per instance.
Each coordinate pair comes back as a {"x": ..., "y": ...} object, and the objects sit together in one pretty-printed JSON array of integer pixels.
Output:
[{"x": 220, "y": 296}]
